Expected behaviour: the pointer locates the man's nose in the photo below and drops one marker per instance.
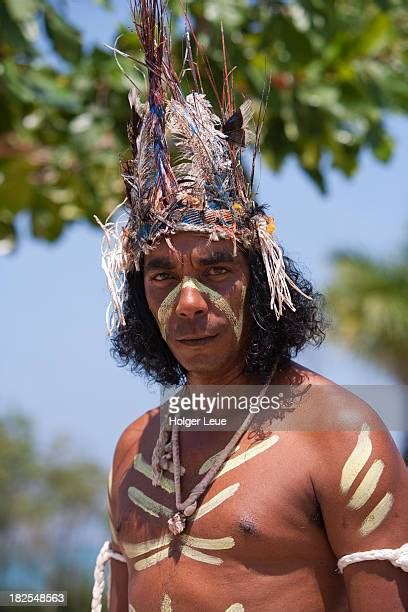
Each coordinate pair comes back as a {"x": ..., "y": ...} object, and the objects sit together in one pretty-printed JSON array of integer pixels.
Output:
[{"x": 191, "y": 303}]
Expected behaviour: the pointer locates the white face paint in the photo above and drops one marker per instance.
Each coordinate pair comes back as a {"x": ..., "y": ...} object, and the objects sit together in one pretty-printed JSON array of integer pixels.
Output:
[{"x": 214, "y": 297}]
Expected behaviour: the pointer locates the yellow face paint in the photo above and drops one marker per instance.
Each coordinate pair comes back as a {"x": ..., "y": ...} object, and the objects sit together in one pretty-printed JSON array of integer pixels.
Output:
[
  {"x": 356, "y": 460},
  {"x": 377, "y": 515},
  {"x": 216, "y": 298},
  {"x": 367, "y": 486}
]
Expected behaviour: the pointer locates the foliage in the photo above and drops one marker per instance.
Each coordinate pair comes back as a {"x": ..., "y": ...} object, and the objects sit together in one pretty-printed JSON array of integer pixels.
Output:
[
  {"x": 336, "y": 66},
  {"x": 47, "y": 503},
  {"x": 369, "y": 301}
]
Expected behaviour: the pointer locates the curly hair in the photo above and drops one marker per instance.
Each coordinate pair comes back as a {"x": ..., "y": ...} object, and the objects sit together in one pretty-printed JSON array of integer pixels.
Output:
[{"x": 140, "y": 344}]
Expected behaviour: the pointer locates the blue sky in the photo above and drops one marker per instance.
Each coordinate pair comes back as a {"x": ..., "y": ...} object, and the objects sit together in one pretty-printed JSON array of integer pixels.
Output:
[{"x": 55, "y": 363}]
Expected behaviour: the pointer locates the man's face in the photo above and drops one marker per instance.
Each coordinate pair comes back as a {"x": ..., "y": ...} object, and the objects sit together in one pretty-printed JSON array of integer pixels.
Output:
[{"x": 196, "y": 292}]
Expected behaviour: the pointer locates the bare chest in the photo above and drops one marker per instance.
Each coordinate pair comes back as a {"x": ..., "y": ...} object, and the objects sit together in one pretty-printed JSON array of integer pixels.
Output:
[{"x": 259, "y": 511}]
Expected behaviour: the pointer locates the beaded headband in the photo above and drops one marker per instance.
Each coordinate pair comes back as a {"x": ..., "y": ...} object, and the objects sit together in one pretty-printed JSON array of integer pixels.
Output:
[{"x": 185, "y": 173}]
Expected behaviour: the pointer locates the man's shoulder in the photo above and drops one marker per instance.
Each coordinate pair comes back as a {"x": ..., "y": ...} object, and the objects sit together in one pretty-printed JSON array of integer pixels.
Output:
[
  {"x": 143, "y": 429},
  {"x": 331, "y": 407},
  {"x": 337, "y": 421}
]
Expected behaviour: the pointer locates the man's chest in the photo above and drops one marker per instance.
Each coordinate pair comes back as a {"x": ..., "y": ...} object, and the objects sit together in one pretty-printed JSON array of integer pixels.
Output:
[{"x": 259, "y": 511}]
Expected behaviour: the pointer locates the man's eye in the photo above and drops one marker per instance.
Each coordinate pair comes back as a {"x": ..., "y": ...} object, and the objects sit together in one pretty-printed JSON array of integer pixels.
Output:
[
  {"x": 216, "y": 270},
  {"x": 161, "y": 276}
]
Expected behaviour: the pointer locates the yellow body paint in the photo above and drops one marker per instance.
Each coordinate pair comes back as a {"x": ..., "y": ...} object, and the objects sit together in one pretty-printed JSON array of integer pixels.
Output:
[
  {"x": 131, "y": 608},
  {"x": 189, "y": 542},
  {"x": 140, "y": 465},
  {"x": 166, "y": 604},
  {"x": 216, "y": 298},
  {"x": 211, "y": 460},
  {"x": 113, "y": 531},
  {"x": 148, "y": 504},
  {"x": 216, "y": 500},
  {"x": 171, "y": 468},
  {"x": 135, "y": 550},
  {"x": 110, "y": 482},
  {"x": 377, "y": 515},
  {"x": 209, "y": 543},
  {"x": 236, "y": 607},
  {"x": 356, "y": 460},
  {"x": 367, "y": 486},
  {"x": 152, "y": 560},
  {"x": 199, "y": 556},
  {"x": 248, "y": 454}
]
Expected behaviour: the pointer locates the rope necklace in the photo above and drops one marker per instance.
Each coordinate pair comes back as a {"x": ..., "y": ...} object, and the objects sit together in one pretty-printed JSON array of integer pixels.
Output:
[{"x": 168, "y": 448}]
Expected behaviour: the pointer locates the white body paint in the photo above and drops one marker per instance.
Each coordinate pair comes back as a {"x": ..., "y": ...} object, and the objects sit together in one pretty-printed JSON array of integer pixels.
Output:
[
  {"x": 377, "y": 515},
  {"x": 357, "y": 459}
]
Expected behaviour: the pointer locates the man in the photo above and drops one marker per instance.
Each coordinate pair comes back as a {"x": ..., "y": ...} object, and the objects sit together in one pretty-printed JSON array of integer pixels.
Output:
[{"x": 217, "y": 520}]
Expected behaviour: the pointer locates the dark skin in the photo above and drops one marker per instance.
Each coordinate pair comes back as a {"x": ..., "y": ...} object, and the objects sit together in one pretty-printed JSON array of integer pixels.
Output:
[{"x": 288, "y": 519}]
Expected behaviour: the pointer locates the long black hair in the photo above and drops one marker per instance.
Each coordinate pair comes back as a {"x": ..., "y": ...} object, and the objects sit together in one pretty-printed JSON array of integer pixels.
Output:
[{"x": 140, "y": 344}]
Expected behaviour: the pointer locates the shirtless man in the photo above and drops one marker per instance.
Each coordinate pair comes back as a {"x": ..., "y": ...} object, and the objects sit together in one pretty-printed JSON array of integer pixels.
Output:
[
  {"x": 297, "y": 506},
  {"x": 201, "y": 294}
]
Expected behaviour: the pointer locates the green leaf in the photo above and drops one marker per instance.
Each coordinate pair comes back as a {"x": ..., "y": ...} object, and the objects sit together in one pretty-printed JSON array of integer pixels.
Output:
[
  {"x": 36, "y": 86},
  {"x": 66, "y": 40},
  {"x": 384, "y": 149},
  {"x": 23, "y": 10},
  {"x": 7, "y": 237},
  {"x": 317, "y": 177},
  {"x": 376, "y": 36},
  {"x": 12, "y": 38},
  {"x": 45, "y": 221},
  {"x": 104, "y": 3},
  {"x": 381, "y": 143}
]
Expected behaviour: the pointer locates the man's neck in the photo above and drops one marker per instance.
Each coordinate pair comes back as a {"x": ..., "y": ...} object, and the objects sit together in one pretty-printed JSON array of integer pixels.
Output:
[{"x": 231, "y": 376}]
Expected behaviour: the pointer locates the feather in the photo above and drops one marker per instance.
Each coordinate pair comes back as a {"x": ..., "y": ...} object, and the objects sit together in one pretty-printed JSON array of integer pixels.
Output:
[
  {"x": 193, "y": 127},
  {"x": 236, "y": 126},
  {"x": 137, "y": 112}
]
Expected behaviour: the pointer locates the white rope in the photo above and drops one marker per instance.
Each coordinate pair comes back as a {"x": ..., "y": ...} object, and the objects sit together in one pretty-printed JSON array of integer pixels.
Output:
[
  {"x": 103, "y": 557},
  {"x": 397, "y": 556}
]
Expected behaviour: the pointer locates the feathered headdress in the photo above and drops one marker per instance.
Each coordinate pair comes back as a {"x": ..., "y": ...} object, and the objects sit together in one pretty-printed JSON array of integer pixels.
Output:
[{"x": 202, "y": 188}]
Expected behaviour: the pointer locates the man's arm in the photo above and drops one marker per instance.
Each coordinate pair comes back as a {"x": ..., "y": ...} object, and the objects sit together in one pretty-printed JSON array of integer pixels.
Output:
[
  {"x": 118, "y": 583},
  {"x": 361, "y": 483}
]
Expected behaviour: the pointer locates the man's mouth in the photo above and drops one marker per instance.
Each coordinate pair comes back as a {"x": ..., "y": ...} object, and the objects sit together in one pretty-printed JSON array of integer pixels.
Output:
[{"x": 196, "y": 340}]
